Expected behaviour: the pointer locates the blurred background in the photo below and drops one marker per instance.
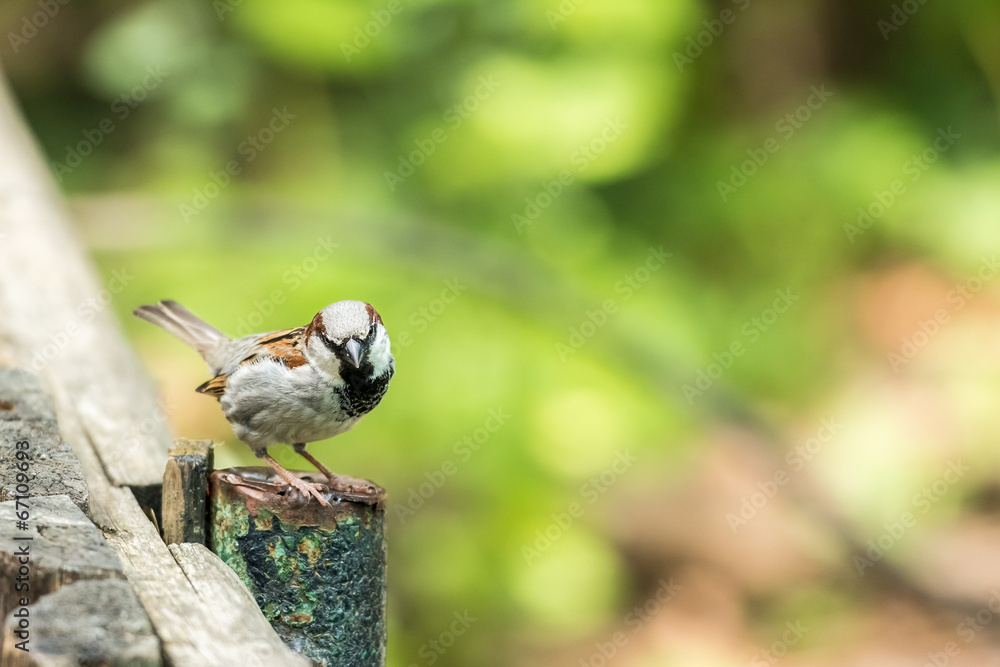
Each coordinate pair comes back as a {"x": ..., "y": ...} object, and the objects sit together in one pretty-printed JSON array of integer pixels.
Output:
[{"x": 694, "y": 304}]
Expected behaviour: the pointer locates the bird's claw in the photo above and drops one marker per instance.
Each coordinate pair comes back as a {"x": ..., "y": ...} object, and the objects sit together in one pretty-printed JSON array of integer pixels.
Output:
[
  {"x": 309, "y": 489},
  {"x": 356, "y": 490},
  {"x": 348, "y": 484}
]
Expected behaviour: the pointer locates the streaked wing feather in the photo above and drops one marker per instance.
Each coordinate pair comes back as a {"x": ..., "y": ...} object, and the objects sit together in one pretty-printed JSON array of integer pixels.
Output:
[
  {"x": 284, "y": 346},
  {"x": 214, "y": 387}
]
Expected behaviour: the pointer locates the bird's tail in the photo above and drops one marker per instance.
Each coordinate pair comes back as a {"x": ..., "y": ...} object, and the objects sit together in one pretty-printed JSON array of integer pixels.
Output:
[{"x": 181, "y": 322}]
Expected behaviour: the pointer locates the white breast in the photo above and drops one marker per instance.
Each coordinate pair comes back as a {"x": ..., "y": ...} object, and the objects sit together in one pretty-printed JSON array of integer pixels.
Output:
[{"x": 269, "y": 403}]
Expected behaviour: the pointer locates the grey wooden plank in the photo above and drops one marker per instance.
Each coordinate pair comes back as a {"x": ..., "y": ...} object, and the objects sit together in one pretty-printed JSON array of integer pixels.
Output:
[
  {"x": 56, "y": 320},
  {"x": 30, "y": 438},
  {"x": 85, "y": 623},
  {"x": 60, "y": 543},
  {"x": 215, "y": 582},
  {"x": 181, "y": 618},
  {"x": 194, "y": 628},
  {"x": 24, "y": 396}
]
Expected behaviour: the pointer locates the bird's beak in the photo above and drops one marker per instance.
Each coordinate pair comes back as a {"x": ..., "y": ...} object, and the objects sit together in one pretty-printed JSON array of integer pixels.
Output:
[{"x": 354, "y": 352}]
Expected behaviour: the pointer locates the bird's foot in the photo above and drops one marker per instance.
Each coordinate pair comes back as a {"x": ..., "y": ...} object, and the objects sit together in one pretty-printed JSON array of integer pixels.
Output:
[
  {"x": 345, "y": 486},
  {"x": 308, "y": 489},
  {"x": 348, "y": 484},
  {"x": 305, "y": 488}
]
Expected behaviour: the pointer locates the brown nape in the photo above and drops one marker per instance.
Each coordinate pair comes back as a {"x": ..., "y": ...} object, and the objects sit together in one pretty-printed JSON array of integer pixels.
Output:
[
  {"x": 316, "y": 326},
  {"x": 373, "y": 315}
]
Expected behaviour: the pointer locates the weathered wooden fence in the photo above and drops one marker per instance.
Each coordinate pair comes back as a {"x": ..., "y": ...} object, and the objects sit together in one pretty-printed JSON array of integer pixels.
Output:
[{"x": 83, "y": 449}]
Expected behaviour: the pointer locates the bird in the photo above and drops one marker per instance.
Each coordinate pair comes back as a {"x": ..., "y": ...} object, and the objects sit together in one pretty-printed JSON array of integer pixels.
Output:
[{"x": 292, "y": 386}]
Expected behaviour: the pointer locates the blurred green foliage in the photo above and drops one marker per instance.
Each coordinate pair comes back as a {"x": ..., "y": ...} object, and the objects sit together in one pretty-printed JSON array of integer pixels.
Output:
[{"x": 533, "y": 152}]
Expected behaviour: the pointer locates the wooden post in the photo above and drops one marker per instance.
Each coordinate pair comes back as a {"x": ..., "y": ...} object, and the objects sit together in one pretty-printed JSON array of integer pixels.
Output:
[
  {"x": 185, "y": 491},
  {"x": 317, "y": 573}
]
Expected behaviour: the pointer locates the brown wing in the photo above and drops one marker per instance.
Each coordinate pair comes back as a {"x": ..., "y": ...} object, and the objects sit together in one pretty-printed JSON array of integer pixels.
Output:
[
  {"x": 214, "y": 387},
  {"x": 284, "y": 346}
]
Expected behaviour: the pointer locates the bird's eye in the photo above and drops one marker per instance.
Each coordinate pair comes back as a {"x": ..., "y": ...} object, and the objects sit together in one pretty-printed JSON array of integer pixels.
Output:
[{"x": 329, "y": 343}]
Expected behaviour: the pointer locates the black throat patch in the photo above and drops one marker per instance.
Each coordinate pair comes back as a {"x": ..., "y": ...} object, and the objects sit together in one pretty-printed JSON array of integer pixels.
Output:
[{"x": 361, "y": 393}]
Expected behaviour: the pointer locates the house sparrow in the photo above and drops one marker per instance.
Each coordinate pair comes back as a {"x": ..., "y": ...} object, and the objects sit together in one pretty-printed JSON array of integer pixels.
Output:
[{"x": 294, "y": 386}]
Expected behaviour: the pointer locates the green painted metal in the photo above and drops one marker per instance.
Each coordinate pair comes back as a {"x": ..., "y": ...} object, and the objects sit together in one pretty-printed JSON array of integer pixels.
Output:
[{"x": 317, "y": 573}]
